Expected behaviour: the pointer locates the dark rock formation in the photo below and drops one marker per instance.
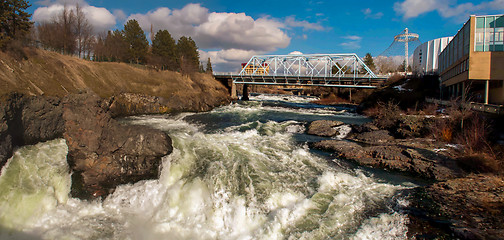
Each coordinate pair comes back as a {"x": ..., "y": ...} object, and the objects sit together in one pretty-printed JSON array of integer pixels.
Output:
[
  {"x": 366, "y": 127},
  {"x": 102, "y": 153},
  {"x": 379, "y": 136},
  {"x": 128, "y": 104},
  {"x": 27, "y": 120},
  {"x": 418, "y": 160},
  {"x": 470, "y": 208},
  {"x": 324, "y": 128}
]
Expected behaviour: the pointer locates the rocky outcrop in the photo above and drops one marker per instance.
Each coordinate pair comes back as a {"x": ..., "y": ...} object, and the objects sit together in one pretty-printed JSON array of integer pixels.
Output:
[
  {"x": 379, "y": 136},
  {"x": 103, "y": 153},
  {"x": 470, "y": 208},
  {"x": 127, "y": 104},
  {"x": 27, "y": 120},
  {"x": 415, "y": 159},
  {"x": 324, "y": 128}
]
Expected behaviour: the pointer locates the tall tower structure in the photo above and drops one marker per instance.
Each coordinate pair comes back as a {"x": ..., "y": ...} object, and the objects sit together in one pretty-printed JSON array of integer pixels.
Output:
[{"x": 406, "y": 37}]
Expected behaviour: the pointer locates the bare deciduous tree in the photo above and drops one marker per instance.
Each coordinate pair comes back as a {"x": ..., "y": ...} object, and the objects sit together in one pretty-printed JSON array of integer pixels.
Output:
[{"x": 83, "y": 32}]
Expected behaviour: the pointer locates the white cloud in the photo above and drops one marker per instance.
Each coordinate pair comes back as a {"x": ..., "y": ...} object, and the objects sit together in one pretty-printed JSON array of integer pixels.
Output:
[
  {"x": 217, "y": 30},
  {"x": 353, "y": 42},
  {"x": 447, "y": 9},
  {"x": 228, "y": 60},
  {"x": 100, "y": 18},
  {"x": 368, "y": 13},
  {"x": 292, "y": 22},
  {"x": 353, "y": 38},
  {"x": 120, "y": 15}
]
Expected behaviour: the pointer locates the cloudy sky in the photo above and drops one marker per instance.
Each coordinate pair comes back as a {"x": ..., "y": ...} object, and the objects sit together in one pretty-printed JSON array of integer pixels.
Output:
[{"x": 231, "y": 31}]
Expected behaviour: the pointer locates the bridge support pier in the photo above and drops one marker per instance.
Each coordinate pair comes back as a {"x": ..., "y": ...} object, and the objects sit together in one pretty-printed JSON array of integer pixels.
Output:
[
  {"x": 234, "y": 96},
  {"x": 245, "y": 95}
]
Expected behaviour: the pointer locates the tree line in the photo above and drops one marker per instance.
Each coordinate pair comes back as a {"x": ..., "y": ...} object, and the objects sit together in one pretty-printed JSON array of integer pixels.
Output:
[{"x": 69, "y": 32}]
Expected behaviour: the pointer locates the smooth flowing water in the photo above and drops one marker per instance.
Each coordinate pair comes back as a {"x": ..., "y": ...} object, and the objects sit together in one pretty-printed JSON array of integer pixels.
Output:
[{"x": 242, "y": 171}]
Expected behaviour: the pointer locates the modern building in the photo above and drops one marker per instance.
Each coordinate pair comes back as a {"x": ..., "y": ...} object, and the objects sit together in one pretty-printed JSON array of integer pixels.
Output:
[
  {"x": 425, "y": 57},
  {"x": 472, "y": 65}
]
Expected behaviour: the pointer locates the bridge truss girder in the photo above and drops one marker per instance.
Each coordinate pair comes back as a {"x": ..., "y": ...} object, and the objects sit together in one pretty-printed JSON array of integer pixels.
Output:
[{"x": 311, "y": 65}]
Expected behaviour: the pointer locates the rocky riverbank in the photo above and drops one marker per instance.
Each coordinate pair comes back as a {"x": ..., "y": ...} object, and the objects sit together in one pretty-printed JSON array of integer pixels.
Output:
[
  {"x": 101, "y": 152},
  {"x": 460, "y": 203},
  {"x": 48, "y": 95}
]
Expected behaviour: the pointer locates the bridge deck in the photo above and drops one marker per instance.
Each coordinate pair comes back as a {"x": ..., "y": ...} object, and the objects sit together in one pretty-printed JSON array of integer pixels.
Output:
[{"x": 342, "y": 82}]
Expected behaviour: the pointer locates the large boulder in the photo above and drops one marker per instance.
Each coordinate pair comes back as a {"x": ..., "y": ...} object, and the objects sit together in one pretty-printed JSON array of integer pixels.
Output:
[
  {"x": 396, "y": 156},
  {"x": 324, "y": 128},
  {"x": 470, "y": 208},
  {"x": 126, "y": 104},
  {"x": 103, "y": 153},
  {"x": 26, "y": 120}
]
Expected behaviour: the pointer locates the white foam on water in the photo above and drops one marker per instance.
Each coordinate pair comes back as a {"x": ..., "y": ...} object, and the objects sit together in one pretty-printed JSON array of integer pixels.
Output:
[
  {"x": 246, "y": 182},
  {"x": 287, "y": 98}
]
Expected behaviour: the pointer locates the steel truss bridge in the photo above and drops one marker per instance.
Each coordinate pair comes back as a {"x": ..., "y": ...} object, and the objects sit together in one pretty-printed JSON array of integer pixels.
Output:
[{"x": 325, "y": 70}]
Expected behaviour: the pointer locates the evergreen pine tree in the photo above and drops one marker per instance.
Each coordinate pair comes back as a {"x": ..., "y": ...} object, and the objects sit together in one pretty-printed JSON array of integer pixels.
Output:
[
  {"x": 138, "y": 44},
  {"x": 209, "y": 67},
  {"x": 402, "y": 67},
  {"x": 368, "y": 60},
  {"x": 14, "y": 20},
  {"x": 163, "y": 47},
  {"x": 189, "y": 56}
]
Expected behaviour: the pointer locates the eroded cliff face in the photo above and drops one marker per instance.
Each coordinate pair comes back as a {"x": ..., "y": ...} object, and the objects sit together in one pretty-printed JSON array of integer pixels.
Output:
[{"x": 101, "y": 152}]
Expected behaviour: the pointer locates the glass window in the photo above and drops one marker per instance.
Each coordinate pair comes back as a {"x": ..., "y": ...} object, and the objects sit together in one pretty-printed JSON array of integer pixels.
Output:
[
  {"x": 489, "y": 22},
  {"x": 489, "y": 35},
  {"x": 499, "y": 34},
  {"x": 499, "y": 22},
  {"x": 480, "y": 22},
  {"x": 479, "y": 47}
]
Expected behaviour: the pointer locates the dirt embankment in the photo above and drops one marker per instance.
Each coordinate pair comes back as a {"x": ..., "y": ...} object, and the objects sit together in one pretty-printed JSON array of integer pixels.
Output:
[{"x": 52, "y": 74}]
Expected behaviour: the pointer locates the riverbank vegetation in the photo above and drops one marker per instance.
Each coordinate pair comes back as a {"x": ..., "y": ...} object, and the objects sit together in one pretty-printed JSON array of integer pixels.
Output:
[{"x": 70, "y": 33}]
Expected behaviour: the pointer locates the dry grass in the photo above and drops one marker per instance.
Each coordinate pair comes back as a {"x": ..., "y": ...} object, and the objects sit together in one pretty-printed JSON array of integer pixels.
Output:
[{"x": 50, "y": 73}]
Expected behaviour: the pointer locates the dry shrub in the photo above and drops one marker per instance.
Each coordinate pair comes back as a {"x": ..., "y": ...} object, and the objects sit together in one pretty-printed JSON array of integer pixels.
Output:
[
  {"x": 331, "y": 99},
  {"x": 474, "y": 135},
  {"x": 442, "y": 129},
  {"x": 16, "y": 49},
  {"x": 386, "y": 115},
  {"x": 430, "y": 109},
  {"x": 479, "y": 163},
  {"x": 446, "y": 134},
  {"x": 372, "y": 111}
]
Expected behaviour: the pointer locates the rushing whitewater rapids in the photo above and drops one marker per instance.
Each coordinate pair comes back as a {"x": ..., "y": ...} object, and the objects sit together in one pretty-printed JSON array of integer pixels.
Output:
[{"x": 242, "y": 171}]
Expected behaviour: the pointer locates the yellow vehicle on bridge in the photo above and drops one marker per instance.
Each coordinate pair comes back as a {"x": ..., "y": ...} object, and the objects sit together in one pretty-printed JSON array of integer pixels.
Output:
[{"x": 253, "y": 69}]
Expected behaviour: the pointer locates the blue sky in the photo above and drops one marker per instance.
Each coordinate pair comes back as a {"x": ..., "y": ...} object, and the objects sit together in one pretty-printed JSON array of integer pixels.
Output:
[{"x": 230, "y": 31}]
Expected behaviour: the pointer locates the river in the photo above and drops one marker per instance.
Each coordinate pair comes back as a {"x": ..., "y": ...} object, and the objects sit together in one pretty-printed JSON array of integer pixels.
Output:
[{"x": 242, "y": 171}]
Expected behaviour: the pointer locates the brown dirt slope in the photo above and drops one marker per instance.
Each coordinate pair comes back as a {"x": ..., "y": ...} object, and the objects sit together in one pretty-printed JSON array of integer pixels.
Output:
[{"x": 53, "y": 74}]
